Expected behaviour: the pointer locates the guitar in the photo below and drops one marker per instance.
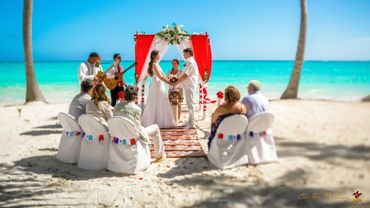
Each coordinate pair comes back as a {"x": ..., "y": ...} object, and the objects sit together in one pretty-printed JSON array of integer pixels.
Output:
[{"x": 111, "y": 83}]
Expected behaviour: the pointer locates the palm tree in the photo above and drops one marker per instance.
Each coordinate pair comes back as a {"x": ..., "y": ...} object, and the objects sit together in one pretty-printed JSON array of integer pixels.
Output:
[
  {"x": 33, "y": 92},
  {"x": 366, "y": 99},
  {"x": 292, "y": 89}
]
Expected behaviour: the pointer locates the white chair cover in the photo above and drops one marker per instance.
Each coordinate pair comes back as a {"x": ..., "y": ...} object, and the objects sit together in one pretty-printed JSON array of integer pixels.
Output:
[
  {"x": 228, "y": 146},
  {"x": 70, "y": 142},
  {"x": 127, "y": 153},
  {"x": 94, "y": 145},
  {"x": 260, "y": 142}
]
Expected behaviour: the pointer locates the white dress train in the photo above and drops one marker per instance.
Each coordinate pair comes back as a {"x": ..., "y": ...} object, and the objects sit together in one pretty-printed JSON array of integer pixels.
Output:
[{"x": 157, "y": 108}]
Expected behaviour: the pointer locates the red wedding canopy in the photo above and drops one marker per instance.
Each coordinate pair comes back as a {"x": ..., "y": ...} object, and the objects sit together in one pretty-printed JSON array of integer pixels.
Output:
[{"x": 200, "y": 44}]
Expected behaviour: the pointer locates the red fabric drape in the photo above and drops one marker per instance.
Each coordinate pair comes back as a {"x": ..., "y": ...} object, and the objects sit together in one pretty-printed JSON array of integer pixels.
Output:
[
  {"x": 209, "y": 58},
  {"x": 142, "y": 46},
  {"x": 202, "y": 55}
]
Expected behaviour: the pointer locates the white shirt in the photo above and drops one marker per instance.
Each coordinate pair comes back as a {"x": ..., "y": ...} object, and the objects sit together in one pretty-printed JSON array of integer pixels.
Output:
[
  {"x": 256, "y": 103},
  {"x": 87, "y": 71},
  {"x": 191, "y": 69}
]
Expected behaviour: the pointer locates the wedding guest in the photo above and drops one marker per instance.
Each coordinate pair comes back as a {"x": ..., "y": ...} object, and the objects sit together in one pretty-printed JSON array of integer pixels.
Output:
[
  {"x": 78, "y": 104},
  {"x": 128, "y": 109},
  {"x": 174, "y": 74},
  {"x": 99, "y": 105},
  {"x": 255, "y": 101},
  {"x": 87, "y": 69},
  {"x": 231, "y": 107},
  {"x": 116, "y": 71}
]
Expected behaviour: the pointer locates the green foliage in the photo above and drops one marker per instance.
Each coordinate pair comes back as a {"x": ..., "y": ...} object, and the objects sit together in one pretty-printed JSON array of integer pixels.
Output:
[{"x": 173, "y": 34}]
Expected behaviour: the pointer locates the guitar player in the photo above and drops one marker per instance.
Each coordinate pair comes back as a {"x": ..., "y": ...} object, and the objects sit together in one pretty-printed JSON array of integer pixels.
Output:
[
  {"x": 114, "y": 72},
  {"x": 89, "y": 69}
]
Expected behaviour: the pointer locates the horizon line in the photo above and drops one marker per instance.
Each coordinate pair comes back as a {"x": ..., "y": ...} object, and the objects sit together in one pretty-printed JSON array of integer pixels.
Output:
[{"x": 360, "y": 60}]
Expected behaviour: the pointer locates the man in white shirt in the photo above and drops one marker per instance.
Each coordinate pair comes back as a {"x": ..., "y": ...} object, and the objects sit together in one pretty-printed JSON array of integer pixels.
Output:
[
  {"x": 255, "y": 102},
  {"x": 189, "y": 80},
  {"x": 129, "y": 110},
  {"x": 87, "y": 69}
]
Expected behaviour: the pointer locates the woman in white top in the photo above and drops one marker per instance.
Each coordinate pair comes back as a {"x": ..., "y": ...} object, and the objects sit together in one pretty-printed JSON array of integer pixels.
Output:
[
  {"x": 99, "y": 105},
  {"x": 174, "y": 74},
  {"x": 157, "y": 108}
]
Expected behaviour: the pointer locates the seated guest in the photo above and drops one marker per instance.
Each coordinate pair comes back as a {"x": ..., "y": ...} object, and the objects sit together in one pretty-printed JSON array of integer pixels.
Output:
[
  {"x": 255, "y": 101},
  {"x": 78, "y": 104},
  {"x": 128, "y": 109},
  {"x": 99, "y": 105},
  {"x": 231, "y": 107}
]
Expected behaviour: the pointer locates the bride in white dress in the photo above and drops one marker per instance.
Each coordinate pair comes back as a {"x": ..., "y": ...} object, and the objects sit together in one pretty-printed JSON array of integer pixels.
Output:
[{"x": 157, "y": 108}]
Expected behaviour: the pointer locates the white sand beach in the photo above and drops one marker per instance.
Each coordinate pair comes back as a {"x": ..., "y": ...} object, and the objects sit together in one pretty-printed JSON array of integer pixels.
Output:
[{"x": 323, "y": 149}]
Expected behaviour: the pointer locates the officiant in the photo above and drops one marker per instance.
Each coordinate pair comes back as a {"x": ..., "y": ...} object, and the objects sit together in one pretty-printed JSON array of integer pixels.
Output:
[{"x": 175, "y": 93}]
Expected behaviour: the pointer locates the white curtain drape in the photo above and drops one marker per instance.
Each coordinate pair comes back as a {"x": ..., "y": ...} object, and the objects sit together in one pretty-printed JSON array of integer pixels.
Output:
[
  {"x": 159, "y": 45},
  {"x": 183, "y": 45},
  {"x": 144, "y": 72}
]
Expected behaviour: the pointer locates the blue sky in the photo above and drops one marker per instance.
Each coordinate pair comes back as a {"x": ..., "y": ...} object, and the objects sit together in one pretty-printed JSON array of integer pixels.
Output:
[{"x": 239, "y": 29}]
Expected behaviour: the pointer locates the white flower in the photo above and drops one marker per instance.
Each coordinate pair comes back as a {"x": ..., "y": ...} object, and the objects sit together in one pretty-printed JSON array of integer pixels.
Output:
[{"x": 173, "y": 34}]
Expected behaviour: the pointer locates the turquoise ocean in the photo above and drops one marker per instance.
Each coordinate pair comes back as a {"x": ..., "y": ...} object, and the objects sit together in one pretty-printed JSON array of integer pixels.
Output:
[{"x": 334, "y": 80}]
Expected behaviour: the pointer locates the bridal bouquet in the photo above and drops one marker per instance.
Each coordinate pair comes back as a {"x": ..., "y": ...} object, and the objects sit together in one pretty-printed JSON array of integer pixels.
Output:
[
  {"x": 173, "y": 34},
  {"x": 173, "y": 79},
  {"x": 174, "y": 97}
]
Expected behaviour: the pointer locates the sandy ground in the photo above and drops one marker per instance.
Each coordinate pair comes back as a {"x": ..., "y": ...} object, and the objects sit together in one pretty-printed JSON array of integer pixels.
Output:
[{"x": 323, "y": 149}]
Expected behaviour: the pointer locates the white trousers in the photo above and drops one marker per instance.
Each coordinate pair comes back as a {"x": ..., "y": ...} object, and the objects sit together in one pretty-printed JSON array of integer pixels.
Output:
[
  {"x": 189, "y": 98},
  {"x": 155, "y": 135}
]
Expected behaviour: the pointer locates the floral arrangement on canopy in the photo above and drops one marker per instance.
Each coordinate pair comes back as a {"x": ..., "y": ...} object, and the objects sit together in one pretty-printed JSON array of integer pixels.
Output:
[{"x": 173, "y": 34}]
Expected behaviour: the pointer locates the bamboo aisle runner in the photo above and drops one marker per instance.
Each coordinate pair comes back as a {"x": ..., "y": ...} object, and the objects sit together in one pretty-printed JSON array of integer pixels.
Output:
[{"x": 180, "y": 142}]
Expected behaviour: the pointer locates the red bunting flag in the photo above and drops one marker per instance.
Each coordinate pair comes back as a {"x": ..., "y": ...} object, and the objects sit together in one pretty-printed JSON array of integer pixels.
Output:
[
  {"x": 220, "y": 135},
  {"x": 101, "y": 138}
]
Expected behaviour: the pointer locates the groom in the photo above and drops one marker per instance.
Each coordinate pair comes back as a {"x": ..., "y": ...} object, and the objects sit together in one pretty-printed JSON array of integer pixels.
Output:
[{"x": 189, "y": 80}]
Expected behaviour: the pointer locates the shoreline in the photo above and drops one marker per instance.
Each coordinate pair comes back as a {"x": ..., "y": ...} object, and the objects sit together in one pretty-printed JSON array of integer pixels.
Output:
[{"x": 131, "y": 60}]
